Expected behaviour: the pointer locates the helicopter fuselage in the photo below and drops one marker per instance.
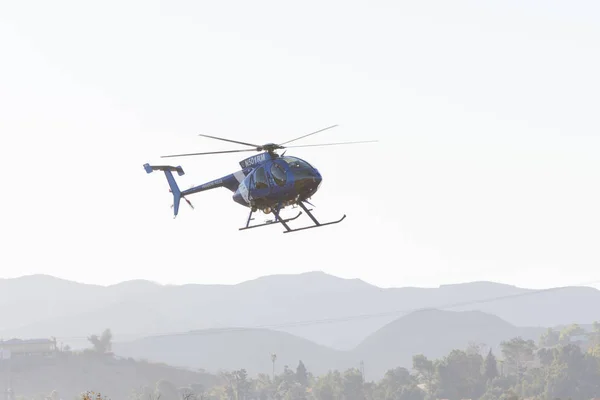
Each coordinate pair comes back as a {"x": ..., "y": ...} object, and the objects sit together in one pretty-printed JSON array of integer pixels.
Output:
[
  {"x": 268, "y": 181},
  {"x": 278, "y": 182}
]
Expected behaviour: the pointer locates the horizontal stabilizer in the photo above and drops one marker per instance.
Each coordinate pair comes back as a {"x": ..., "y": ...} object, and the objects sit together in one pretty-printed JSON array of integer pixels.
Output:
[
  {"x": 149, "y": 168},
  {"x": 174, "y": 189}
]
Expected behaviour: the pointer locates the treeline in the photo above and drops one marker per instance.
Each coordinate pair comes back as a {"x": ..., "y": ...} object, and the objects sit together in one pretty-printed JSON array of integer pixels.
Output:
[{"x": 557, "y": 367}]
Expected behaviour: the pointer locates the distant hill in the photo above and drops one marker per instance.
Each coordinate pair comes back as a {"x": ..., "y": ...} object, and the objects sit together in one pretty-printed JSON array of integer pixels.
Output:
[
  {"x": 340, "y": 312},
  {"x": 433, "y": 333},
  {"x": 38, "y": 299},
  {"x": 71, "y": 374},
  {"x": 229, "y": 349}
]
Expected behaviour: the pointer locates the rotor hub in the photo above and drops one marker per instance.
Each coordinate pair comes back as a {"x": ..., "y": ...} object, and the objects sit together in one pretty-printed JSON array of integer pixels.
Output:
[{"x": 270, "y": 147}]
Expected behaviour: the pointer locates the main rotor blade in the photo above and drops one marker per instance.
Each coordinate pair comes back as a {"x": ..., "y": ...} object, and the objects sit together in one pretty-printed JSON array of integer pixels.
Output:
[
  {"x": 331, "y": 144},
  {"x": 210, "y": 152},
  {"x": 298, "y": 138},
  {"x": 232, "y": 141}
]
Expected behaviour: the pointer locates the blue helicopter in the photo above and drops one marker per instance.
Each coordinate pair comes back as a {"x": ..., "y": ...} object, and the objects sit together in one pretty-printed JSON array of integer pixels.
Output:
[{"x": 267, "y": 181}]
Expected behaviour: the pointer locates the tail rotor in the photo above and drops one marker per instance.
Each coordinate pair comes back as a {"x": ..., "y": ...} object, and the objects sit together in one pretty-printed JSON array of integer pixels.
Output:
[{"x": 186, "y": 200}]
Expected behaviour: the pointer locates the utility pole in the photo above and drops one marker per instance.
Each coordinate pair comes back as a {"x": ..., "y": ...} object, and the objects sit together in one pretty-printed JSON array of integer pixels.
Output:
[
  {"x": 518, "y": 377},
  {"x": 362, "y": 371},
  {"x": 273, "y": 358}
]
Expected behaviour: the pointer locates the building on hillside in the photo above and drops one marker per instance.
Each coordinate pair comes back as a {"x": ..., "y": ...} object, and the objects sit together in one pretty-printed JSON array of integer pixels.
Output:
[{"x": 28, "y": 347}]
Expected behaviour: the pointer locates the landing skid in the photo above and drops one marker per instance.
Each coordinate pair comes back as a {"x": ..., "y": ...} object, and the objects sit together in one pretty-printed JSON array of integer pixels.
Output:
[
  {"x": 268, "y": 222},
  {"x": 284, "y": 222},
  {"x": 308, "y": 212}
]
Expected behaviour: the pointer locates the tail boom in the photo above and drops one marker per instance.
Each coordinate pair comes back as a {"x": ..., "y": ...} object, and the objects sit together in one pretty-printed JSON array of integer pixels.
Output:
[{"x": 231, "y": 182}]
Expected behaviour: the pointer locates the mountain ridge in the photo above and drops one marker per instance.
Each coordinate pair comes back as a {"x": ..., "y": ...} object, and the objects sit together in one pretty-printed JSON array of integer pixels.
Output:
[
  {"x": 315, "y": 273},
  {"x": 288, "y": 302}
]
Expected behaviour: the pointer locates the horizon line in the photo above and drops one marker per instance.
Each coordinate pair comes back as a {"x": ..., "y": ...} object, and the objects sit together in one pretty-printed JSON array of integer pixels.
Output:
[{"x": 321, "y": 272}]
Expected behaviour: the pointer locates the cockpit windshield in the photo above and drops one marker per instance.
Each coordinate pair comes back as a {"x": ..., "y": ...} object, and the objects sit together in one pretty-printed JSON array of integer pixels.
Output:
[
  {"x": 295, "y": 163},
  {"x": 303, "y": 173}
]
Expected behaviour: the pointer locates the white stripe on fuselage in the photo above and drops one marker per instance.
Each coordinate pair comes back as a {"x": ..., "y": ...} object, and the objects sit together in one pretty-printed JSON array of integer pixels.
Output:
[
  {"x": 239, "y": 176},
  {"x": 244, "y": 192},
  {"x": 242, "y": 188}
]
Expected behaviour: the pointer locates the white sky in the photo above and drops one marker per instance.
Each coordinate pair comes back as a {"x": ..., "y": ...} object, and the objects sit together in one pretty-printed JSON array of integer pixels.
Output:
[{"x": 486, "y": 112}]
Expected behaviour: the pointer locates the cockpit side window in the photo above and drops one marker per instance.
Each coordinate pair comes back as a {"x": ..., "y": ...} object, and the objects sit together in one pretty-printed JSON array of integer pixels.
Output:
[
  {"x": 260, "y": 177},
  {"x": 279, "y": 174}
]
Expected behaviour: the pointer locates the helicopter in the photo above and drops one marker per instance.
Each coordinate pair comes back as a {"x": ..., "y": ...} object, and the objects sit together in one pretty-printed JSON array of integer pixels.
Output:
[{"x": 268, "y": 182}]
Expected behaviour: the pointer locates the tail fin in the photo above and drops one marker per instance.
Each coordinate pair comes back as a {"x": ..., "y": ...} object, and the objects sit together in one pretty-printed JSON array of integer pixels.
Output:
[{"x": 168, "y": 170}]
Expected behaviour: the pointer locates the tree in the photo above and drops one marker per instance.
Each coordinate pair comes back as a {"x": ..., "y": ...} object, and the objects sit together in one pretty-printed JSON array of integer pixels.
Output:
[
  {"x": 264, "y": 387},
  {"x": 595, "y": 340},
  {"x": 288, "y": 376},
  {"x": 285, "y": 385},
  {"x": 91, "y": 395},
  {"x": 569, "y": 332},
  {"x": 238, "y": 386},
  {"x": 329, "y": 387},
  {"x": 459, "y": 376},
  {"x": 517, "y": 351},
  {"x": 229, "y": 387},
  {"x": 595, "y": 351},
  {"x": 187, "y": 393},
  {"x": 198, "y": 390},
  {"x": 301, "y": 374},
  {"x": 509, "y": 395},
  {"x": 166, "y": 390},
  {"x": 353, "y": 385},
  {"x": 490, "y": 370},
  {"x": 546, "y": 356},
  {"x": 103, "y": 343},
  {"x": 425, "y": 371},
  {"x": 242, "y": 386},
  {"x": 399, "y": 384},
  {"x": 144, "y": 393},
  {"x": 573, "y": 374},
  {"x": 474, "y": 348},
  {"x": 566, "y": 371},
  {"x": 550, "y": 338},
  {"x": 410, "y": 392}
]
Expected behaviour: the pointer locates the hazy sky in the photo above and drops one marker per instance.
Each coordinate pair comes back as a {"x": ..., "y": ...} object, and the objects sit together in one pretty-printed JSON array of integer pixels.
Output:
[{"x": 487, "y": 168}]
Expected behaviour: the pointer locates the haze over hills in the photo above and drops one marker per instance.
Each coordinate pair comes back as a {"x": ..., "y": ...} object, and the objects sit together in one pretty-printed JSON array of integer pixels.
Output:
[
  {"x": 433, "y": 333},
  {"x": 216, "y": 350},
  {"x": 70, "y": 374},
  {"x": 43, "y": 306}
]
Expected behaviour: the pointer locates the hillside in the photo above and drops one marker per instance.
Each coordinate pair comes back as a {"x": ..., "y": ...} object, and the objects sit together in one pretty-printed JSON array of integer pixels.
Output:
[
  {"x": 230, "y": 349},
  {"x": 70, "y": 374},
  {"x": 433, "y": 333},
  {"x": 281, "y": 302}
]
